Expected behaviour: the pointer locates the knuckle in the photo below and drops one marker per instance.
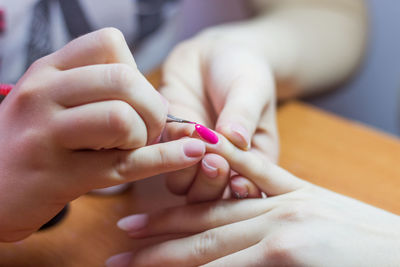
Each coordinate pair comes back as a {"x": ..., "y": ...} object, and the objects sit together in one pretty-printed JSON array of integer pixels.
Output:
[
  {"x": 37, "y": 65},
  {"x": 119, "y": 123},
  {"x": 111, "y": 38},
  {"x": 295, "y": 212},
  {"x": 184, "y": 48},
  {"x": 279, "y": 250},
  {"x": 27, "y": 94},
  {"x": 214, "y": 212},
  {"x": 163, "y": 158},
  {"x": 203, "y": 244},
  {"x": 121, "y": 167},
  {"x": 120, "y": 76},
  {"x": 158, "y": 123}
]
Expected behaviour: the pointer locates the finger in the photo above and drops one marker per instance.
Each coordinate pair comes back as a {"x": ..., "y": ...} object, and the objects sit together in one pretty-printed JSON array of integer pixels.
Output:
[
  {"x": 251, "y": 256},
  {"x": 204, "y": 247},
  {"x": 104, "y": 46},
  {"x": 266, "y": 138},
  {"x": 269, "y": 177},
  {"x": 179, "y": 182},
  {"x": 112, "y": 82},
  {"x": 210, "y": 182},
  {"x": 240, "y": 116},
  {"x": 244, "y": 188},
  {"x": 183, "y": 88},
  {"x": 110, "y": 167},
  {"x": 197, "y": 217},
  {"x": 247, "y": 85},
  {"x": 100, "y": 125}
]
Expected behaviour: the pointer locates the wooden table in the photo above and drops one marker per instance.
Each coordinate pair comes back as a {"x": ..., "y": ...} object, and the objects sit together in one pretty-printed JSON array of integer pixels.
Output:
[{"x": 329, "y": 151}]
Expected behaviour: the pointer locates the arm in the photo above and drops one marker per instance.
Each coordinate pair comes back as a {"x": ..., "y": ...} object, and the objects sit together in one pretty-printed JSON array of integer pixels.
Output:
[
  {"x": 225, "y": 76},
  {"x": 311, "y": 44}
]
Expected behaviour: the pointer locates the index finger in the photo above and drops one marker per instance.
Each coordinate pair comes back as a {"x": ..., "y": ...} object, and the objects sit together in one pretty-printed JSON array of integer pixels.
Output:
[{"x": 104, "y": 46}]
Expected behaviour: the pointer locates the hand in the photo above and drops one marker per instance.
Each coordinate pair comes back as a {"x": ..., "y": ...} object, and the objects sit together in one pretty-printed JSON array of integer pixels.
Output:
[
  {"x": 300, "y": 225},
  {"x": 80, "y": 119},
  {"x": 228, "y": 86}
]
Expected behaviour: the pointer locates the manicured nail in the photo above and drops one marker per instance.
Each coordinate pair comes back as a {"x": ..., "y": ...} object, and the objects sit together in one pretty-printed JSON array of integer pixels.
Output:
[
  {"x": 206, "y": 134},
  {"x": 133, "y": 223},
  {"x": 208, "y": 169},
  {"x": 194, "y": 148},
  {"x": 120, "y": 260},
  {"x": 240, "y": 136}
]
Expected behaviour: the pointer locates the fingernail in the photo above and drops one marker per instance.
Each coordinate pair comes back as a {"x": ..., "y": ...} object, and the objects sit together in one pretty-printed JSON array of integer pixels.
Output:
[
  {"x": 120, "y": 260},
  {"x": 239, "y": 188},
  {"x": 208, "y": 169},
  {"x": 194, "y": 148},
  {"x": 239, "y": 136},
  {"x": 206, "y": 134},
  {"x": 133, "y": 223},
  {"x": 239, "y": 195}
]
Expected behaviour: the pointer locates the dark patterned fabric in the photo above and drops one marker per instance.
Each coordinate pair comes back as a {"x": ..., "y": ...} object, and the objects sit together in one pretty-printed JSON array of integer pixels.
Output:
[
  {"x": 150, "y": 15},
  {"x": 74, "y": 18},
  {"x": 39, "y": 44}
]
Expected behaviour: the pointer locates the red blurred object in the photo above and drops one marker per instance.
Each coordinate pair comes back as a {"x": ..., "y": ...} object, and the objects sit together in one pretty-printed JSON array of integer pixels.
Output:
[
  {"x": 2, "y": 20},
  {"x": 5, "y": 88}
]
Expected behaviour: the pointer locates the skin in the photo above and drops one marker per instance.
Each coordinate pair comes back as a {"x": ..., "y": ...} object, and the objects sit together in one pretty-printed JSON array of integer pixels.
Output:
[
  {"x": 225, "y": 78},
  {"x": 80, "y": 119},
  {"x": 299, "y": 224}
]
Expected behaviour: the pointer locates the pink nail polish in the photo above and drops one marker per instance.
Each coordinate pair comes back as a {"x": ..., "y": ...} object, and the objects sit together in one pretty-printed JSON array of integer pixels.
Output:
[
  {"x": 123, "y": 259},
  {"x": 133, "y": 223},
  {"x": 206, "y": 134}
]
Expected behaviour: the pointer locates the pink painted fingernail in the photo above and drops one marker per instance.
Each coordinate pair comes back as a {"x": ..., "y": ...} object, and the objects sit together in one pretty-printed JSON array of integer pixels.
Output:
[
  {"x": 120, "y": 260},
  {"x": 206, "y": 134},
  {"x": 194, "y": 148},
  {"x": 133, "y": 223},
  {"x": 208, "y": 169}
]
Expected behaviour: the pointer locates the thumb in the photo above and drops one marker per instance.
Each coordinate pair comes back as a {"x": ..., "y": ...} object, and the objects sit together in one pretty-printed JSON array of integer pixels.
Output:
[
  {"x": 106, "y": 168},
  {"x": 161, "y": 158}
]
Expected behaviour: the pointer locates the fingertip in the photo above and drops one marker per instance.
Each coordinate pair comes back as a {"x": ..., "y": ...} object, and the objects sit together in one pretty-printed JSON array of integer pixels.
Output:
[
  {"x": 237, "y": 134},
  {"x": 194, "y": 148},
  {"x": 241, "y": 188},
  {"x": 120, "y": 260},
  {"x": 214, "y": 165}
]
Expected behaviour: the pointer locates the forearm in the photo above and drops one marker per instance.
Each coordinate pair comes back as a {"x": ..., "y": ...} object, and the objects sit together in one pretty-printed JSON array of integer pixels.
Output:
[{"x": 313, "y": 44}]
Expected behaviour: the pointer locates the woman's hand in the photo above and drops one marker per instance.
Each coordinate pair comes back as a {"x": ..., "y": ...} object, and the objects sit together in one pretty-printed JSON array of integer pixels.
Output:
[
  {"x": 298, "y": 225},
  {"x": 228, "y": 86},
  {"x": 80, "y": 119}
]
